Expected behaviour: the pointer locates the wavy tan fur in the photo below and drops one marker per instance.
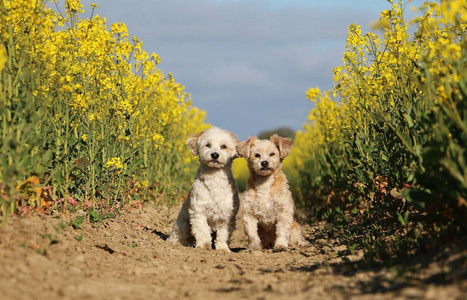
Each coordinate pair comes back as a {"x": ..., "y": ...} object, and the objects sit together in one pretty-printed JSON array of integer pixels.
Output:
[{"x": 269, "y": 213}]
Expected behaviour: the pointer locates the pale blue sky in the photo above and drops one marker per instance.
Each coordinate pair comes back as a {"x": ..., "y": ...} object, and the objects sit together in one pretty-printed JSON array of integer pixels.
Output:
[{"x": 246, "y": 63}]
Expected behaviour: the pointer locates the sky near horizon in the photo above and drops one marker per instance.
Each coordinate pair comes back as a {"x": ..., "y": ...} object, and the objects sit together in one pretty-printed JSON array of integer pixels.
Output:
[{"x": 246, "y": 63}]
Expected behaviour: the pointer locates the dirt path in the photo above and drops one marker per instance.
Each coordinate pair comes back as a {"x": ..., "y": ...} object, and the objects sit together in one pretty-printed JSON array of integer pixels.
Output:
[{"x": 127, "y": 258}]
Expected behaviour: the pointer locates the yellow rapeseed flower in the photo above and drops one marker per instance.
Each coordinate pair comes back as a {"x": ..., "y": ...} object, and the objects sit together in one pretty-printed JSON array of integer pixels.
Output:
[
  {"x": 115, "y": 163},
  {"x": 73, "y": 6},
  {"x": 156, "y": 58},
  {"x": 3, "y": 57},
  {"x": 313, "y": 93}
]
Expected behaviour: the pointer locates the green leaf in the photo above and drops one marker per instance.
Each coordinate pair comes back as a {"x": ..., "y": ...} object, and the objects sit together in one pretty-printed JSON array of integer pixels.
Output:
[
  {"x": 409, "y": 120},
  {"x": 401, "y": 219},
  {"x": 453, "y": 168},
  {"x": 82, "y": 162},
  {"x": 77, "y": 222},
  {"x": 405, "y": 139},
  {"x": 406, "y": 217},
  {"x": 360, "y": 174},
  {"x": 410, "y": 177},
  {"x": 384, "y": 156}
]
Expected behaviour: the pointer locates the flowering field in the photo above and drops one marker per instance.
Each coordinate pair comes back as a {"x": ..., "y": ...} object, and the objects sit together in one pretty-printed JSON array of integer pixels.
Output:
[
  {"x": 87, "y": 118},
  {"x": 383, "y": 155}
]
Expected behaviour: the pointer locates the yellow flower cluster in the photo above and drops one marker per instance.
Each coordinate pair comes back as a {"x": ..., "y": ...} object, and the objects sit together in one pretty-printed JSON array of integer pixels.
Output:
[
  {"x": 115, "y": 163},
  {"x": 3, "y": 57},
  {"x": 441, "y": 32},
  {"x": 107, "y": 77},
  {"x": 98, "y": 86},
  {"x": 380, "y": 71}
]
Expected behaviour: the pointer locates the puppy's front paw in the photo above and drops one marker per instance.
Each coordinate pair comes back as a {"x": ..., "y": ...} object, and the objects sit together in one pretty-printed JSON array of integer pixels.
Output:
[
  {"x": 204, "y": 245},
  {"x": 280, "y": 245},
  {"x": 303, "y": 244},
  {"x": 173, "y": 239},
  {"x": 226, "y": 250},
  {"x": 254, "y": 246},
  {"x": 222, "y": 247}
]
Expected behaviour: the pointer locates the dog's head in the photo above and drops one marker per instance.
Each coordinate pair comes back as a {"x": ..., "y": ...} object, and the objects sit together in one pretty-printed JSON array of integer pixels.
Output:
[
  {"x": 264, "y": 156},
  {"x": 214, "y": 146}
]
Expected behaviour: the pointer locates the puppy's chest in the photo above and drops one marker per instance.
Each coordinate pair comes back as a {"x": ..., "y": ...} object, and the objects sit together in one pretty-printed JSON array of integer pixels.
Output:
[
  {"x": 264, "y": 206},
  {"x": 215, "y": 194},
  {"x": 218, "y": 187}
]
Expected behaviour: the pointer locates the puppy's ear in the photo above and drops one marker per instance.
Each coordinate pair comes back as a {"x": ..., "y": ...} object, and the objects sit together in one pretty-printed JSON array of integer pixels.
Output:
[
  {"x": 284, "y": 145},
  {"x": 192, "y": 142},
  {"x": 233, "y": 136},
  {"x": 243, "y": 148},
  {"x": 236, "y": 142},
  {"x": 235, "y": 151}
]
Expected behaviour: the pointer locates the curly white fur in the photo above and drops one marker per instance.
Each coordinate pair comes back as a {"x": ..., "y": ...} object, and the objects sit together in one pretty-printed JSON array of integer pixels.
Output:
[
  {"x": 212, "y": 203},
  {"x": 268, "y": 208}
]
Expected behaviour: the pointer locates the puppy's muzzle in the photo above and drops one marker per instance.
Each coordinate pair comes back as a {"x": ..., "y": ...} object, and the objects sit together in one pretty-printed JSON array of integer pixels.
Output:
[
  {"x": 214, "y": 155},
  {"x": 265, "y": 166}
]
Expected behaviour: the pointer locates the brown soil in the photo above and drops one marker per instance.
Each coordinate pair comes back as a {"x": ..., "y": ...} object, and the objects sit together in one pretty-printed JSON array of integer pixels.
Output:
[{"x": 128, "y": 258}]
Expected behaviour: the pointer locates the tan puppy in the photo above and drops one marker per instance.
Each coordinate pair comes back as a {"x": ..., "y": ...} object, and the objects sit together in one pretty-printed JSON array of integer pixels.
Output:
[{"x": 268, "y": 208}]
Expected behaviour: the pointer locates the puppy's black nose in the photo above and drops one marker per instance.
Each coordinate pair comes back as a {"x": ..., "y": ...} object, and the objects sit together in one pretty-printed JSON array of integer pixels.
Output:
[
  {"x": 264, "y": 163},
  {"x": 215, "y": 155}
]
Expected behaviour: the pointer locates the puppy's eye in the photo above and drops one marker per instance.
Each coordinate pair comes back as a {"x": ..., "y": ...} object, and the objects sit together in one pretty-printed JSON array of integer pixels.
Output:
[
  {"x": 223, "y": 147},
  {"x": 208, "y": 145},
  {"x": 272, "y": 154},
  {"x": 257, "y": 155}
]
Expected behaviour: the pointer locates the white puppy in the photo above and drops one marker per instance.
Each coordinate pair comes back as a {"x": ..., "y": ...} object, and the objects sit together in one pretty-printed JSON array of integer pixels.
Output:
[
  {"x": 212, "y": 203},
  {"x": 268, "y": 208}
]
